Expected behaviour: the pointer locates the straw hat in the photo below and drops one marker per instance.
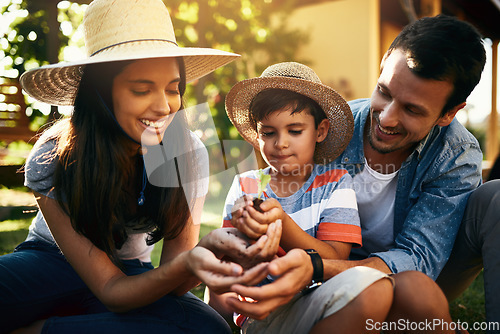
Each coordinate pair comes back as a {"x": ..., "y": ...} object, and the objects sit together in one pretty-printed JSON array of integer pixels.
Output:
[
  {"x": 303, "y": 80},
  {"x": 121, "y": 30}
]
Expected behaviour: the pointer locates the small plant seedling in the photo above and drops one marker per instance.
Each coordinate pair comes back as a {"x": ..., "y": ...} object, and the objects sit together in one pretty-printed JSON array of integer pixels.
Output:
[{"x": 264, "y": 179}]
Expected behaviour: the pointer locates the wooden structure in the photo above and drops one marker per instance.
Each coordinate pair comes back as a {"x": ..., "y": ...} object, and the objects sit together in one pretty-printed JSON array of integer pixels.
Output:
[{"x": 14, "y": 124}]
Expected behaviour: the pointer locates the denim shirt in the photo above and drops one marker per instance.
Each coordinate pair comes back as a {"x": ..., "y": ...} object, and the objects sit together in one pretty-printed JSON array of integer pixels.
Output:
[{"x": 434, "y": 183}]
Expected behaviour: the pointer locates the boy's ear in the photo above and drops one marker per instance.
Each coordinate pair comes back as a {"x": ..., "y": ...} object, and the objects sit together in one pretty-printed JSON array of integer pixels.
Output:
[{"x": 322, "y": 130}]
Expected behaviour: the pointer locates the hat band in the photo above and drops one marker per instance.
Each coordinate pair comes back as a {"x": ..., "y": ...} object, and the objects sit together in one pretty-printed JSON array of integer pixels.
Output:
[{"x": 131, "y": 41}]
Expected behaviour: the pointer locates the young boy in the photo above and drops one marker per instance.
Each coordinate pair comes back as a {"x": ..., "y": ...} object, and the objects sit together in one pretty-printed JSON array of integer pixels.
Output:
[{"x": 299, "y": 125}]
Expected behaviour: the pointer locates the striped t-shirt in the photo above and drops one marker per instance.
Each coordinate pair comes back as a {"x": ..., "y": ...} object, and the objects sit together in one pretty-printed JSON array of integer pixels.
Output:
[{"x": 325, "y": 206}]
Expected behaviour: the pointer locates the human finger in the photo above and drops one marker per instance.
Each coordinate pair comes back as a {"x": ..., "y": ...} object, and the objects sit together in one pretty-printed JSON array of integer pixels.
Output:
[
  {"x": 254, "y": 275},
  {"x": 255, "y": 309},
  {"x": 200, "y": 258},
  {"x": 265, "y": 217},
  {"x": 251, "y": 227},
  {"x": 272, "y": 244},
  {"x": 294, "y": 272},
  {"x": 269, "y": 204},
  {"x": 266, "y": 246}
]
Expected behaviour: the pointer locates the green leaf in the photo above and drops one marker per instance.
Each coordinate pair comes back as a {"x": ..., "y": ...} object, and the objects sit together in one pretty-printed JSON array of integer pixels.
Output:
[{"x": 264, "y": 179}]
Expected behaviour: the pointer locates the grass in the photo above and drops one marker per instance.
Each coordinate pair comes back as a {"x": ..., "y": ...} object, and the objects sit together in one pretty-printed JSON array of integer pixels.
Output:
[
  {"x": 12, "y": 232},
  {"x": 467, "y": 308}
]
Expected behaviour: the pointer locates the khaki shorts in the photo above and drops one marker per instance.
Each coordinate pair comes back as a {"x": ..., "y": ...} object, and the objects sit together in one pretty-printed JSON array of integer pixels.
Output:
[{"x": 304, "y": 311}]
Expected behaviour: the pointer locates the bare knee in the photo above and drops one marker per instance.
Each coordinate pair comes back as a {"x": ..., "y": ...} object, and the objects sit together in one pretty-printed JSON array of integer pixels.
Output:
[
  {"x": 418, "y": 296},
  {"x": 376, "y": 300},
  {"x": 372, "y": 304}
]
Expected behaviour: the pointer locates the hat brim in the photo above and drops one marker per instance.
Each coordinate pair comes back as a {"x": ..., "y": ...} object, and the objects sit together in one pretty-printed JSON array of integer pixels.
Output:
[
  {"x": 333, "y": 104},
  {"x": 57, "y": 84}
]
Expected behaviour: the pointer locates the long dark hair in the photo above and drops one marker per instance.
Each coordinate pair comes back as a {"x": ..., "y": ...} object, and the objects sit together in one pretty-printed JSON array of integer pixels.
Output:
[{"x": 95, "y": 168}]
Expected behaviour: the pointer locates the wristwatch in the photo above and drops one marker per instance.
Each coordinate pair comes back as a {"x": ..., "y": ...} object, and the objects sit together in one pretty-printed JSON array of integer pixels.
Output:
[{"x": 317, "y": 263}]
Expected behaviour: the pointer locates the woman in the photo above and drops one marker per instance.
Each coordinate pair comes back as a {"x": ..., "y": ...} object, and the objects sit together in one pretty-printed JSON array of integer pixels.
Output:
[{"x": 85, "y": 266}]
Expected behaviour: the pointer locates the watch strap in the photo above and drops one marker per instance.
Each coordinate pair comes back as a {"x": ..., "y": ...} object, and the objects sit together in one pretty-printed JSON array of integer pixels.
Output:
[{"x": 317, "y": 264}]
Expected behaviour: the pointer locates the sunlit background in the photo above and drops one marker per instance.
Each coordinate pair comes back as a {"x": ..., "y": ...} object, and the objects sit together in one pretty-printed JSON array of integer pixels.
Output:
[
  {"x": 342, "y": 40},
  {"x": 70, "y": 14}
]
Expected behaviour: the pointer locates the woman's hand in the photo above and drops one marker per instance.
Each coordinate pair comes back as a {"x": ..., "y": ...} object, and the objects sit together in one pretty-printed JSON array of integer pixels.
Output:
[
  {"x": 232, "y": 245},
  {"x": 225, "y": 240},
  {"x": 266, "y": 247},
  {"x": 220, "y": 275}
]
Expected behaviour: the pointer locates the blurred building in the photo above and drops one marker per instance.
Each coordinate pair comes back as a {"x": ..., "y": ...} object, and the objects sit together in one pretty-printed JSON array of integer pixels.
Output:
[{"x": 349, "y": 37}]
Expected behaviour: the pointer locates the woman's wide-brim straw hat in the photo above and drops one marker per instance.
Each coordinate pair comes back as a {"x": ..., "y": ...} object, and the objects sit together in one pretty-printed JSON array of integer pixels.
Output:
[
  {"x": 116, "y": 30},
  {"x": 303, "y": 80}
]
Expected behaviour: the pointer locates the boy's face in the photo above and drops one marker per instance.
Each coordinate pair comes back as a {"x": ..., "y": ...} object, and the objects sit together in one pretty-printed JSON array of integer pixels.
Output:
[{"x": 287, "y": 142}]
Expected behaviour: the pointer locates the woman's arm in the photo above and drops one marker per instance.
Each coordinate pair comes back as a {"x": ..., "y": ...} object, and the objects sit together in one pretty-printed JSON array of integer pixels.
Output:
[
  {"x": 185, "y": 241},
  {"x": 118, "y": 292}
]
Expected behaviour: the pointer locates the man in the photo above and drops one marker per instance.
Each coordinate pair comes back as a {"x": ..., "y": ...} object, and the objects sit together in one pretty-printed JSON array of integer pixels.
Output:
[
  {"x": 414, "y": 167},
  {"x": 413, "y": 164}
]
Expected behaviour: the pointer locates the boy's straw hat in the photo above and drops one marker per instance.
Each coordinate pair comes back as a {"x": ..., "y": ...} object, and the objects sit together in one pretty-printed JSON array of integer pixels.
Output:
[
  {"x": 121, "y": 30},
  {"x": 303, "y": 80}
]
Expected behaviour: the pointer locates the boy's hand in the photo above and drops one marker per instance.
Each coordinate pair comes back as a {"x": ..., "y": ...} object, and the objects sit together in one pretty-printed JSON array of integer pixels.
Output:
[
  {"x": 239, "y": 208},
  {"x": 254, "y": 223}
]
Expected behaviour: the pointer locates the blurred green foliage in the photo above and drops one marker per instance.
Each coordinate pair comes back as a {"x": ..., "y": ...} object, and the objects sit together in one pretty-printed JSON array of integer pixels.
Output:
[{"x": 255, "y": 29}]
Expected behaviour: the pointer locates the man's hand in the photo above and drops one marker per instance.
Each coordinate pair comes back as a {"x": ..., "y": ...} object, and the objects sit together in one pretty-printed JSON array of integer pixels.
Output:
[{"x": 295, "y": 272}]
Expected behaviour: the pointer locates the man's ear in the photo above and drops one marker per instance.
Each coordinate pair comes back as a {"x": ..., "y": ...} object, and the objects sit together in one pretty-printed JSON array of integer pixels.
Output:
[
  {"x": 450, "y": 115},
  {"x": 322, "y": 130}
]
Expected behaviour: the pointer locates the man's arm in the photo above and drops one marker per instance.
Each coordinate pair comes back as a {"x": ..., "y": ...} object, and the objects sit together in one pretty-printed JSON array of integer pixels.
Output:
[
  {"x": 295, "y": 273},
  {"x": 334, "y": 267}
]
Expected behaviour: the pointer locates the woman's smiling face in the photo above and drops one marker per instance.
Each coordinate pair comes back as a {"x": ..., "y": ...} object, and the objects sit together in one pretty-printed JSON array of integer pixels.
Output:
[{"x": 145, "y": 98}]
